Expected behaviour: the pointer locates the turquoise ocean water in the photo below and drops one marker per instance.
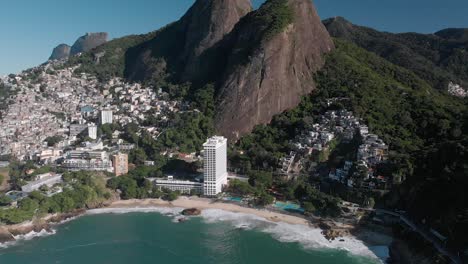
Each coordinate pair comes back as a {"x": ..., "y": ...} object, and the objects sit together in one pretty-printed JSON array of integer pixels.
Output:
[{"x": 157, "y": 237}]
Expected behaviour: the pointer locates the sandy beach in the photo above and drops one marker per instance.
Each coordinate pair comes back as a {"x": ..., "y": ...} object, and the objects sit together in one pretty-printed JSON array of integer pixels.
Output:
[{"x": 205, "y": 203}]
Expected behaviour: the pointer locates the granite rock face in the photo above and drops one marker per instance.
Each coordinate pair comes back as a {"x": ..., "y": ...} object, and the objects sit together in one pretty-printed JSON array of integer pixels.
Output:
[
  {"x": 60, "y": 52},
  {"x": 276, "y": 75},
  {"x": 261, "y": 62},
  {"x": 88, "y": 42},
  {"x": 177, "y": 48},
  {"x": 207, "y": 23}
]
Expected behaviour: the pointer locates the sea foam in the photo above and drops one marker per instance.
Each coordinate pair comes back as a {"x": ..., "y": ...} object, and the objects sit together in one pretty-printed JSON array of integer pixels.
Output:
[
  {"x": 161, "y": 210},
  {"x": 28, "y": 236},
  {"x": 308, "y": 237}
]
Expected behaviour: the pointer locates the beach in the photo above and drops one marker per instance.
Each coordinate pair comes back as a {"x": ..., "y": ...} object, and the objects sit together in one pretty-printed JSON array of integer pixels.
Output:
[{"x": 205, "y": 203}]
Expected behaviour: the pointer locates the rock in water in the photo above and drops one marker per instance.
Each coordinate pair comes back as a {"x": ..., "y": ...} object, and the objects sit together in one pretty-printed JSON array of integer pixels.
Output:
[
  {"x": 5, "y": 235},
  {"x": 60, "y": 52},
  {"x": 191, "y": 212},
  {"x": 88, "y": 42}
]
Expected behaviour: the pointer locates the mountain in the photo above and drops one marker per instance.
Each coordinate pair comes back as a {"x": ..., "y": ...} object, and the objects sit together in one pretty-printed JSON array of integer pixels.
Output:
[
  {"x": 88, "y": 42},
  {"x": 456, "y": 34},
  {"x": 426, "y": 131},
  {"x": 438, "y": 58},
  {"x": 273, "y": 55},
  {"x": 261, "y": 62},
  {"x": 83, "y": 44},
  {"x": 62, "y": 51},
  {"x": 176, "y": 49}
]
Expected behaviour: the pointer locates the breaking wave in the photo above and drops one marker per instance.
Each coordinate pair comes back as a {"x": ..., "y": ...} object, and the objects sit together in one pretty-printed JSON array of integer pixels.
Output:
[
  {"x": 162, "y": 210},
  {"x": 28, "y": 236},
  {"x": 308, "y": 237}
]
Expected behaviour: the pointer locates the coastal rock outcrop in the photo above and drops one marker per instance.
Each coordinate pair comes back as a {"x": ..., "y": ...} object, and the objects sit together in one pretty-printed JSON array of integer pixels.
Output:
[
  {"x": 88, "y": 42},
  {"x": 8, "y": 233},
  {"x": 191, "y": 212},
  {"x": 5, "y": 235},
  {"x": 60, "y": 52}
]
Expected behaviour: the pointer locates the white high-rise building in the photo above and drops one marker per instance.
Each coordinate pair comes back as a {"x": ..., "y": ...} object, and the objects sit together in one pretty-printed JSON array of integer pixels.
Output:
[
  {"x": 215, "y": 165},
  {"x": 92, "y": 131},
  {"x": 106, "y": 117}
]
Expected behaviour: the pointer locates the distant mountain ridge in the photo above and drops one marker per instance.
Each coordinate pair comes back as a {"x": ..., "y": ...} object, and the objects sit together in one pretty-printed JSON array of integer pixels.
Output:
[
  {"x": 438, "y": 58},
  {"x": 60, "y": 52},
  {"x": 82, "y": 44}
]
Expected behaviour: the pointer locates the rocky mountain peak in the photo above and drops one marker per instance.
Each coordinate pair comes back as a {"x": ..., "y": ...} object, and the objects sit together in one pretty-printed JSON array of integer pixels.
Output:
[
  {"x": 289, "y": 42},
  {"x": 88, "y": 42},
  {"x": 60, "y": 52}
]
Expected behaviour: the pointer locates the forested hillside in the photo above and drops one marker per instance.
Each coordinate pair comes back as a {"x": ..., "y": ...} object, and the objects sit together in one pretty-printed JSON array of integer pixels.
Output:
[
  {"x": 438, "y": 58},
  {"x": 425, "y": 129}
]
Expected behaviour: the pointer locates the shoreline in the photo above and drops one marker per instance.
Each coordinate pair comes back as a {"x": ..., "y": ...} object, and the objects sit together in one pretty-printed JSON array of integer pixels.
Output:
[
  {"x": 206, "y": 203},
  {"x": 9, "y": 234}
]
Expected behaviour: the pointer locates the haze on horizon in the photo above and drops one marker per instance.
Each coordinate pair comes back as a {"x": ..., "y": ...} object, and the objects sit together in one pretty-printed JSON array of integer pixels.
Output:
[{"x": 31, "y": 29}]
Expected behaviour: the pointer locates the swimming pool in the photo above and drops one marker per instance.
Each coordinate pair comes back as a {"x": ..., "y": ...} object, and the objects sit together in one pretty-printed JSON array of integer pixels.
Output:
[
  {"x": 292, "y": 207},
  {"x": 233, "y": 199},
  {"x": 16, "y": 195}
]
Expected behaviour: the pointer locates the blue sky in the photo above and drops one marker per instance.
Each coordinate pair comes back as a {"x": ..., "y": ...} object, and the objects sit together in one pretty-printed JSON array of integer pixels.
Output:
[{"x": 30, "y": 29}]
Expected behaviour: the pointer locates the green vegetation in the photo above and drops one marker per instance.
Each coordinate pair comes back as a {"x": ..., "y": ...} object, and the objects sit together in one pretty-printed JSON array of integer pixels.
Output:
[
  {"x": 275, "y": 16},
  {"x": 19, "y": 176},
  {"x": 425, "y": 129},
  {"x": 5, "y": 93},
  {"x": 316, "y": 202},
  {"x": 240, "y": 188},
  {"x": 113, "y": 63},
  {"x": 52, "y": 141},
  {"x": 136, "y": 186},
  {"x": 81, "y": 190},
  {"x": 187, "y": 132},
  {"x": 5, "y": 200},
  {"x": 105, "y": 131},
  {"x": 437, "y": 58}
]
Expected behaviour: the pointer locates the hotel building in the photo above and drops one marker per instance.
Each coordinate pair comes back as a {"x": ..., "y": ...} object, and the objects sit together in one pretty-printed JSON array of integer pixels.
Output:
[
  {"x": 184, "y": 187},
  {"x": 215, "y": 165}
]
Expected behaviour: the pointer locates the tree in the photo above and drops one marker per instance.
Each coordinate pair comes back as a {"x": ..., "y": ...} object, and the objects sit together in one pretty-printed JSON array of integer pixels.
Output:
[
  {"x": 262, "y": 198},
  {"x": 5, "y": 200},
  {"x": 137, "y": 156},
  {"x": 171, "y": 196},
  {"x": 44, "y": 188},
  {"x": 241, "y": 188},
  {"x": 52, "y": 141},
  {"x": 62, "y": 203},
  {"x": 309, "y": 207},
  {"x": 261, "y": 179}
]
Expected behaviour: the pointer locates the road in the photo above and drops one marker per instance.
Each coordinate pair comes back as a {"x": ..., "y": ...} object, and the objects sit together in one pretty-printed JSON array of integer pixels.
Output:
[{"x": 426, "y": 235}]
